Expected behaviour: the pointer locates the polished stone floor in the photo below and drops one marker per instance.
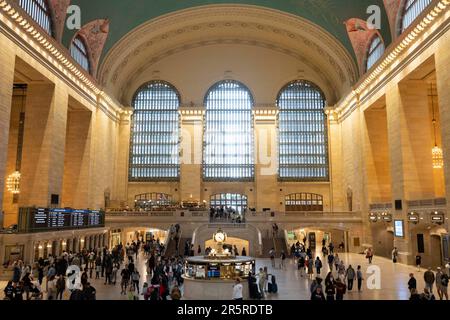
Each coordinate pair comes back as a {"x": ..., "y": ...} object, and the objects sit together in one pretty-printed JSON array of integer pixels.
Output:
[{"x": 292, "y": 286}]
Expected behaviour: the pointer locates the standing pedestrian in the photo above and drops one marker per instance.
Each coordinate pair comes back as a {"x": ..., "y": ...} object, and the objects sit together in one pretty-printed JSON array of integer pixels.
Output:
[
  {"x": 350, "y": 275},
  {"x": 359, "y": 276},
  {"x": 429, "y": 278}
]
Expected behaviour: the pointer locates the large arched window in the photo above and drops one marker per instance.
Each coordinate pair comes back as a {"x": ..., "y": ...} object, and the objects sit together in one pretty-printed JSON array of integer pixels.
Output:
[
  {"x": 78, "y": 51},
  {"x": 303, "y": 143},
  {"x": 154, "y": 147},
  {"x": 228, "y": 133},
  {"x": 39, "y": 11},
  {"x": 376, "y": 50},
  {"x": 412, "y": 9}
]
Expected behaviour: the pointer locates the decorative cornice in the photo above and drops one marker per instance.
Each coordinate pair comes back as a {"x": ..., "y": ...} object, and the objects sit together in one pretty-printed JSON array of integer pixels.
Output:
[
  {"x": 27, "y": 34},
  {"x": 371, "y": 81}
]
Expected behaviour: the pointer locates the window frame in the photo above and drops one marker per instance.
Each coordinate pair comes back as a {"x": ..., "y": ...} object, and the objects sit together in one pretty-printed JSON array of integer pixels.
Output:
[
  {"x": 44, "y": 11},
  {"x": 251, "y": 153},
  {"x": 371, "y": 51},
  {"x": 325, "y": 135},
  {"x": 132, "y": 126},
  {"x": 85, "y": 52},
  {"x": 402, "y": 27}
]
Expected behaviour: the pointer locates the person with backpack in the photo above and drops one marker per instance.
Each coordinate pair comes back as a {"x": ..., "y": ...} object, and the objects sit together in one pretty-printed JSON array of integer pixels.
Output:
[
  {"x": 330, "y": 262},
  {"x": 9, "y": 291},
  {"x": 318, "y": 265},
  {"x": 442, "y": 284},
  {"x": 125, "y": 274},
  {"x": 427, "y": 295},
  {"x": 60, "y": 287},
  {"x": 350, "y": 274},
  {"x": 318, "y": 295}
]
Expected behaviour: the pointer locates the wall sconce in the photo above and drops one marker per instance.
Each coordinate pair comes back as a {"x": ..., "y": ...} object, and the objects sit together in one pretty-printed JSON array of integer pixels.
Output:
[{"x": 13, "y": 182}]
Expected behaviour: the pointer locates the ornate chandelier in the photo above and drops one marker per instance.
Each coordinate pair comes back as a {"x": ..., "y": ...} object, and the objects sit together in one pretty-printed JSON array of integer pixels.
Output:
[
  {"x": 436, "y": 152},
  {"x": 13, "y": 182}
]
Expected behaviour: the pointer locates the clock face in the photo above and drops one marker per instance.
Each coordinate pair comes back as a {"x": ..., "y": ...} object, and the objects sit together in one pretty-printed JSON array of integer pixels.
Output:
[{"x": 219, "y": 237}]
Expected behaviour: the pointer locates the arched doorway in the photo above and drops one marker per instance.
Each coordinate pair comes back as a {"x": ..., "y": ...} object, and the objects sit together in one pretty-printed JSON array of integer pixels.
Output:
[{"x": 230, "y": 243}]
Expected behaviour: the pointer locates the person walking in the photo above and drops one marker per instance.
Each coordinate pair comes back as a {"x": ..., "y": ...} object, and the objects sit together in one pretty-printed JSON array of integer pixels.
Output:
[
  {"x": 429, "y": 278},
  {"x": 318, "y": 265},
  {"x": 60, "y": 287},
  {"x": 272, "y": 257},
  {"x": 311, "y": 268},
  {"x": 337, "y": 261},
  {"x": 412, "y": 283},
  {"x": 283, "y": 260},
  {"x": 369, "y": 255},
  {"x": 350, "y": 275},
  {"x": 395, "y": 255},
  {"x": 341, "y": 289},
  {"x": 330, "y": 262},
  {"x": 301, "y": 265},
  {"x": 318, "y": 295},
  {"x": 442, "y": 284},
  {"x": 330, "y": 287},
  {"x": 359, "y": 277},
  {"x": 418, "y": 261},
  {"x": 261, "y": 282},
  {"x": 237, "y": 290}
]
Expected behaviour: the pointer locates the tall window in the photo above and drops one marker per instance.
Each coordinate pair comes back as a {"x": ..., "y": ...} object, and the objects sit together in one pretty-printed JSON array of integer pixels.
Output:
[
  {"x": 237, "y": 202},
  {"x": 154, "y": 148},
  {"x": 376, "y": 50},
  {"x": 39, "y": 11},
  {"x": 78, "y": 51},
  {"x": 303, "y": 143},
  {"x": 413, "y": 8},
  {"x": 229, "y": 135}
]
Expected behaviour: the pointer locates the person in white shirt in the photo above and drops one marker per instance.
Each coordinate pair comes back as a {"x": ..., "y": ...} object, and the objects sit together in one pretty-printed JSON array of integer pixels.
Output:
[{"x": 237, "y": 290}]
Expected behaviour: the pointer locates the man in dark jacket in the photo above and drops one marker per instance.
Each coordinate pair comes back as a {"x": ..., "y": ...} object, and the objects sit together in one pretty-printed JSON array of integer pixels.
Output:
[
  {"x": 429, "y": 278},
  {"x": 412, "y": 283},
  {"x": 89, "y": 292}
]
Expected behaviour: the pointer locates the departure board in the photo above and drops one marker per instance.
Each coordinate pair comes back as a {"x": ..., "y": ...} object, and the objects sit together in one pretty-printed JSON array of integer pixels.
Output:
[{"x": 45, "y": 219}]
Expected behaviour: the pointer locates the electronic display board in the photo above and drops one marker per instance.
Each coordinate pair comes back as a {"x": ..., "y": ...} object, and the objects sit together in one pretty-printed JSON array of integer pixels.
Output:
[{"x": 45, "y": 219}]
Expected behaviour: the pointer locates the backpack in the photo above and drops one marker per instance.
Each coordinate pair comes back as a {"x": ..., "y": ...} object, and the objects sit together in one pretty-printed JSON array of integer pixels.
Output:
[{"x": 444, "y": 280}]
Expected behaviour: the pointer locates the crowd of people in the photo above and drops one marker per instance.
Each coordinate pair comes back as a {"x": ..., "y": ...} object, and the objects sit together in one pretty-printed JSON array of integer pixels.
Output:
[
  {"x": 226, "y": 213},
  {"x": 56, "y": 278}
]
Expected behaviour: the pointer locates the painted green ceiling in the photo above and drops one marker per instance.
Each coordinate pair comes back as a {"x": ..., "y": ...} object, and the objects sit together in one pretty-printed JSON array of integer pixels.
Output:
[{"x": 125, "y": 15}]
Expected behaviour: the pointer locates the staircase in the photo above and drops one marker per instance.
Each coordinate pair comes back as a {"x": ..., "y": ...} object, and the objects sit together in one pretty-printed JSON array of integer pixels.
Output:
[
  {"x": 279, "y": 244},
  {"x": 171, "y": 249}
]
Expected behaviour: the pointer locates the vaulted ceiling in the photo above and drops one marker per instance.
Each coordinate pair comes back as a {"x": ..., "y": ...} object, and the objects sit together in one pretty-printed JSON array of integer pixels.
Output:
[{"x": 124, "y": 16}]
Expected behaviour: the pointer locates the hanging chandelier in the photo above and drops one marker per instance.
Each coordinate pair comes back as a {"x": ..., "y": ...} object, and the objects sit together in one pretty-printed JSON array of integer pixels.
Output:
[
  {"x": 13, "y": 182},
  {"x": 436, "y": 152}
]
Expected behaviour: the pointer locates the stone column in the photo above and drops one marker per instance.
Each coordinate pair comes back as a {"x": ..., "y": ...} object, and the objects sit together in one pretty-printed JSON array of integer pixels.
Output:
[
  {"x": 266, "y": 188},
  {"x": 191, "y": 157},
  {"x": 44, "y": 144},
  {"x": 76, "y": 163},
  {"x": 120, "y": 192},
  {"x": 410, "y": 144},
  {"x": 442, "y": 61},
  {"x": 7, "y": 63}
]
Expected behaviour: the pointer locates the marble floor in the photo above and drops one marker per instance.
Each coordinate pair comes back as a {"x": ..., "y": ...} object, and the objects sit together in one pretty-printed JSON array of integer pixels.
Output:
[{"x": 393, "y": 281}]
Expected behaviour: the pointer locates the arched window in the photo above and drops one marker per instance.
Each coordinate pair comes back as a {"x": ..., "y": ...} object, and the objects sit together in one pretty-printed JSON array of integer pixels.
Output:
[
  {"x": 376, "y": 50},
  {"x": 78, "y": 51},
  {"x": 303, "y": 143},
  {"x": 228, "y": 133},
  {"x": 412, "y": 9},
  {"x": 154, "y": 147},
  {"x": 39, "y": 11}
]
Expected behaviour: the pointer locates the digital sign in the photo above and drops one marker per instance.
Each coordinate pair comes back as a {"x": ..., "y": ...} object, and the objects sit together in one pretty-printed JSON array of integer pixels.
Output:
[
  {"x": 399, "y": 228},
  {"x": 44, "y": 219}
]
